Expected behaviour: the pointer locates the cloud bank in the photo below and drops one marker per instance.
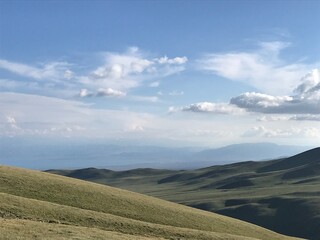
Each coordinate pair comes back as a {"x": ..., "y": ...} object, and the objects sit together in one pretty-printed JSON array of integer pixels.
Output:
[{"x": 305, "y": 100}]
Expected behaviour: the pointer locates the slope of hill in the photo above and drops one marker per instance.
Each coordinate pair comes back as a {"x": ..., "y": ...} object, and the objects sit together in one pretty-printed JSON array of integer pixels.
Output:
[
  {"x": 46, "y": 206},
  {"x": 282, "y": 195}
]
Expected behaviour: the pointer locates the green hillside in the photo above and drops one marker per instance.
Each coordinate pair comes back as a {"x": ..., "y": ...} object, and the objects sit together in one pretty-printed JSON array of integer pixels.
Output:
[
  {"x": 281, "y": 195},
  {"x": 37, "y": 205}
]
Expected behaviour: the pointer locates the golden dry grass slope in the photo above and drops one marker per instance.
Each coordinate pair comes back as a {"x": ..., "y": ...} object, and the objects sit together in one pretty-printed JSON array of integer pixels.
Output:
[{"x": 37, "y": 205}]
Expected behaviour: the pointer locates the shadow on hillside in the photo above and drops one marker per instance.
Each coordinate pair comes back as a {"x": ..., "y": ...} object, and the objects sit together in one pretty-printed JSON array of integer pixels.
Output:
[{"x": 288, "y": 216}]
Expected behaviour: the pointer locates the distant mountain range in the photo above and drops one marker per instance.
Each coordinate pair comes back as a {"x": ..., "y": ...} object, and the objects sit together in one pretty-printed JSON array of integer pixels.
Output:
[
  {"x": 245, "y": 152},
  {"x": 63, "y": 155},
  {"x": 282, "y": 195}
]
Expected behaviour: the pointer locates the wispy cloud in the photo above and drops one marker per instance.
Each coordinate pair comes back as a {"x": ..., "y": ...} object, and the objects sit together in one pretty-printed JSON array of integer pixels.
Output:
[
  {"x": 24, "y": 114},
  {"x": 49, "y": 71},
  {"x": 262, "y": 68},
  {"x": 114, "y": 77},
  {"x": 261, "y": 131},
  {"x": 308, "y": 117}
]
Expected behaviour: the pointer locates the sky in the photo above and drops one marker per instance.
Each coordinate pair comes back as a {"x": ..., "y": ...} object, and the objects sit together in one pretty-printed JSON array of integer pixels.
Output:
[{"x": 167, "y": 73}]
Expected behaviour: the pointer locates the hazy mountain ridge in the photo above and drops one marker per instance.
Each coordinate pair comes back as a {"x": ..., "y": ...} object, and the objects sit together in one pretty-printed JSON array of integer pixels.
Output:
[
  {"x": 123, "y": 157},
  {"x": 282, "y": 195}
]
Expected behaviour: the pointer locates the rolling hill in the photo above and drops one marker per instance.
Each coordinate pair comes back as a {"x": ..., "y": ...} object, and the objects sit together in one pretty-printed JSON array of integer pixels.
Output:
[
  {"x": 281, "y": 195},
  {"x": 38, "y": 205}
]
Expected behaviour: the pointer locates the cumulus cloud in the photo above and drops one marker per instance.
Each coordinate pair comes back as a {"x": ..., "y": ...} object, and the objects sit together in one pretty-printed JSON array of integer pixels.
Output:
[
  {"x": 252, "y": 100},
  {"x": 309, "y": 86},
  {"x": 262, "y": 68},
  {"x": 84, "y": 93},
  {"x": 120, "y": 66},
  {"x": 128, "y": 70},
  {"x": 11, "y": 120},
  {"x": 258, "y": 102},
  {"x": 176, "y": 60},
  {"x": 110, "y": 92},
  {"x": 305, "y": 101},
  {"x": 208, "y": 107}
]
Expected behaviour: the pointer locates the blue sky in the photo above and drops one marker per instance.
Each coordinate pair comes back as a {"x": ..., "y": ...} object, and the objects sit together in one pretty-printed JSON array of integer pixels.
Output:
[{"x": 177, "y": 73}]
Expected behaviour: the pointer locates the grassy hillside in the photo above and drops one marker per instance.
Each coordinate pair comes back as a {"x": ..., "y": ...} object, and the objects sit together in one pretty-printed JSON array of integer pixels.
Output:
[
  {"x": 282, "y": 195},
  {"x": 36, "y": 205}
]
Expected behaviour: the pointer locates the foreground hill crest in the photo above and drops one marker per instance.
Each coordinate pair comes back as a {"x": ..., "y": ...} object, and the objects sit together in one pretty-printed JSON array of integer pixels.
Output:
[{"x": 36, "y": 200}]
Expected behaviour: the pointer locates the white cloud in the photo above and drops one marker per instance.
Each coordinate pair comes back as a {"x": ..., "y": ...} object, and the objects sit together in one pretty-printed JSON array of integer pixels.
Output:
[
  {"x": 272, "y": 118},
  {"x": 84, "y": 93},
  {"x": 308, "y": 117},
  {"x": 11, "y": 120},
  {"x": 118, "y": 73},
  {"x": 12, "y": 126},
  {"x": 309, "y": 86},
  {"x": 306, "y": 100},
  {"x": 68, "y": 74},
  {"x": 46, "y": 116},
  {"x": 110, "y": 92},
  {"x": 208, "y": 107},
  {"x": 259, "y": 102},
  {"x": 120, "y": 66},
  {"x": 128, "y": 70},
  {"x": 261, "y": 131},
  {"x": 262, "y": 69},
  {"x": 176, "y": 60}
]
